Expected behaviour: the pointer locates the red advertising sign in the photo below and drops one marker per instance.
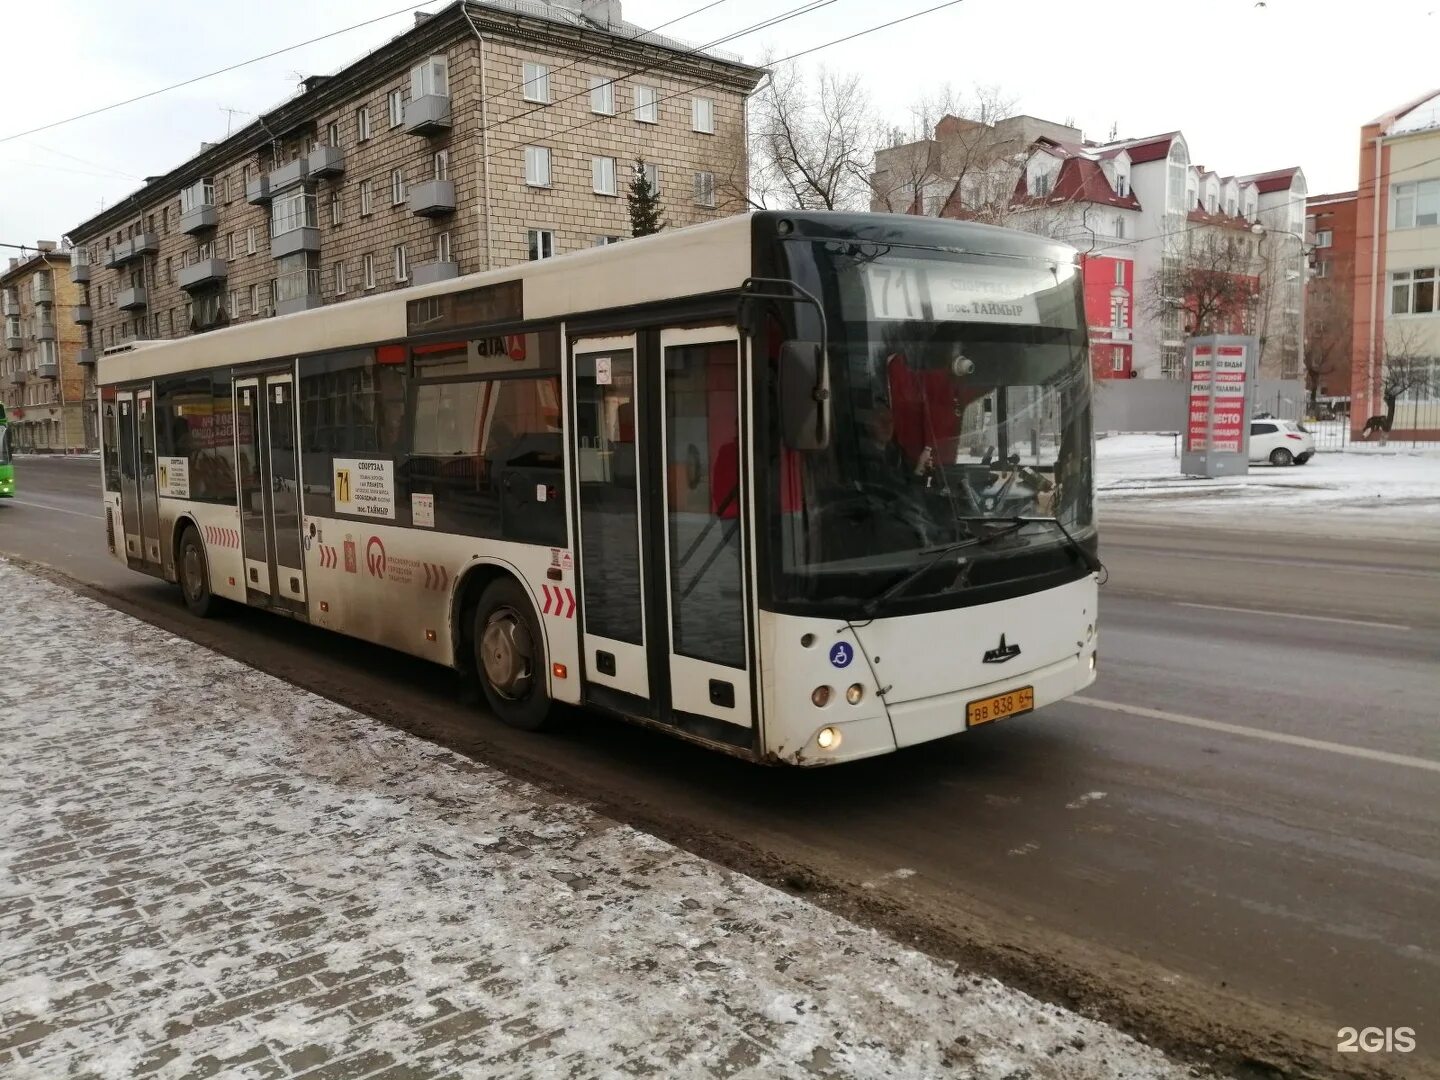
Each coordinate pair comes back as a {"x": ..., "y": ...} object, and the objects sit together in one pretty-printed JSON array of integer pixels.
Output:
[
  {"x": 1229, "y": 375},
  {"x": 1197, "y": 430}
]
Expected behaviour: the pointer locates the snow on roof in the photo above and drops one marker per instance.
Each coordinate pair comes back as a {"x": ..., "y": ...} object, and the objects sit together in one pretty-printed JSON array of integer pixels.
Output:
[
  {"x": 1422, "y": 116},
  {"x": 1275, "y": 180}
]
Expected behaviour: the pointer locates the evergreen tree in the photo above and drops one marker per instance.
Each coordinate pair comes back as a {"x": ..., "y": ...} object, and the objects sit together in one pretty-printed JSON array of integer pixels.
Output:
[{"x": 644, "y": 203}]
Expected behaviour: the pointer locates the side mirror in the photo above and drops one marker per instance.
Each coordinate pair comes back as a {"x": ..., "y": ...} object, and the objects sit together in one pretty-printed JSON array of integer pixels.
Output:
[{"x": 804, "y": 396}]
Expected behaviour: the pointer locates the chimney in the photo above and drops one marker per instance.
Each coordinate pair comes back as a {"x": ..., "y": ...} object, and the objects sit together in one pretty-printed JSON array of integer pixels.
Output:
[
  {"x": 603, "y": 13},
  {"x": 207, "y": 146},
  {"x": 14, "y": 262},
  {"x": 421, "y": 16},
  {"x": 45, "y": 245}
]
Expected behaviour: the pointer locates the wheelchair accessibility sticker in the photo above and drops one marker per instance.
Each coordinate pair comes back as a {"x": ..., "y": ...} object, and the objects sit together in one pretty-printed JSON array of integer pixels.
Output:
[{"x": 841, "y": 653}]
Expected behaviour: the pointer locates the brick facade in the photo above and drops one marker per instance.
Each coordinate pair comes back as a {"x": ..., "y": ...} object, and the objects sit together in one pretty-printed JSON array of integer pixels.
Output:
[
  {"x": 43, "y": 385},
  {"x": 574, "y": 50}
]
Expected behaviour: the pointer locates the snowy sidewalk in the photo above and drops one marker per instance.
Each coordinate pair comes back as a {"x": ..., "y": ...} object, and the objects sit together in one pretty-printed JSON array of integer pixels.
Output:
[{"x": 205, "y": 871}]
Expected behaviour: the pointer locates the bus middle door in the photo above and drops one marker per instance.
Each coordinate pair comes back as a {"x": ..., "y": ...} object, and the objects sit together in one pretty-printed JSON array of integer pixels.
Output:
[{"x": 267, "y": 463}]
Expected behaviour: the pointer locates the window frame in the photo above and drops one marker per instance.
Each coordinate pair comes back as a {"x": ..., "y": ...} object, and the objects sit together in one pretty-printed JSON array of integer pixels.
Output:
[
  {"x": 402, "y": 264},
  {"x": 337, "y": 274},
  {"x": 535, "y": 240},
  {"x": 598, "y": 163},
  {"x": 652, "y": 105},
  {"x": 367, "y": 272},
  {"x": 363, "y": 130},
  {"x": 367, "y": 198},
  {"x": 395, "y": 104},
  {"x": 696, "y": 104},
  {"x": 606, "y": 84},
  {"x": 537, "y": 151},
  {"x": 535, "y": 82},
  {"x": 705, "y": 190},
  {"x": 440, "y": 164},
  {"x": 442, "y": 246}
]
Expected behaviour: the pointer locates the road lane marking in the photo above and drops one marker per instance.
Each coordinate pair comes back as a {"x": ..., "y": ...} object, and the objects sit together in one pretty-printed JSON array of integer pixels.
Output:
[
  {"x": 1258, "y": 733},
  {"x": 57, "y": 509},
  {"x": 1293, "y": 615}
]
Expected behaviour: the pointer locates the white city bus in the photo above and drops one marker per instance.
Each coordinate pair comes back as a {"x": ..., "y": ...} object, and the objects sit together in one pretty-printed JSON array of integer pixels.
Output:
[{"x": 801, "y": 487}]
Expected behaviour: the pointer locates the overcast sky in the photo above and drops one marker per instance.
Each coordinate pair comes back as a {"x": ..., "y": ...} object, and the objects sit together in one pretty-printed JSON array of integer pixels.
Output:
[{"x": 1254, "y": 87}]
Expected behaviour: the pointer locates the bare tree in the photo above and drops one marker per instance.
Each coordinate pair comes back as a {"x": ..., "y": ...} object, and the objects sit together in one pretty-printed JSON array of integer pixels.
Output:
[
  {"x": 1407, "y": 368},
  {"x": 812, "y": 146},
  {"x": 1328, "y": 326},
  {"x": 1216, "y": 284}
]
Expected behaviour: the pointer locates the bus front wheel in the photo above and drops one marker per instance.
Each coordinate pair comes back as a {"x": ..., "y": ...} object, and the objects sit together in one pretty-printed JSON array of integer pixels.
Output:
[
  {"x": 194, "y": 574},
  {"x": 510, "y": 656}
]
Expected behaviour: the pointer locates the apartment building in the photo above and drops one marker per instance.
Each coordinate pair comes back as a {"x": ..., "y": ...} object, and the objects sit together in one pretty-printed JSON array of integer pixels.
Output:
[
  {"x": 487, "y": 134},
  {"x": 1397, "y": 268},
  {"x": 1147, "y": 221},
  {"x": 46, "y": 381}
]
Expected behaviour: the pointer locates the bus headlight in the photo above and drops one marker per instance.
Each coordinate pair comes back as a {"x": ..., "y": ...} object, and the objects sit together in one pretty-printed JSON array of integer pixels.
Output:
[
  {"x": 820, "y": 696},
  {"x": 855, "y": 694},
  {"x": 828, "y": 739}
]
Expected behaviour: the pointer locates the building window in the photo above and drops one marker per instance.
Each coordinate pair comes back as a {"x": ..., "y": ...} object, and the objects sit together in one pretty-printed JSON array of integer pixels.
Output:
[
  {"x": 537, "y": 83},
  {"x": 1322, "y": 268},
  {"x": 652, "y": 176},
  {"x": 225, "y": 184},
  {"x": 396, "y": 101},
  {"x": 369, "y": 263},
  {"x": 397, "y": 187},
  {"x": 362, "y": 123},
  {"x": 702, "y": 114},
  {"x": 1412, "y": 292},
  {"x": 605, "y": 241},
  {"x": 602, "y": 175},
  {"x": 1117, "y": 311},
  {"x": 647, "y": 107},
  {"x": 229, "y": 245},
  {"x": 430, "y": 78},
  {"x": 250, "y": 240},
  {"x": 335, "y": 208},
  {"x": 541, "y": 244},
  {"x": 442, "y": 247},
  {"x": 1117, "y": 359},
  {"x": 1042, "y": 184},
  {"x": 291, "y": 212},
  {"x": 1122, "y": 184},
  {"x": 234, "y": 306},
  {"x": 339, "y": 275},
  {"x": 1416, "y": 205},
  {"x": 170, "y": 270},
  {"x": 537, "y": 166},
  {"x": 1120, "y": 228},
  {"x": 602, "y": 95},
  {"x": 332, "y": 133},
  {"x": 255, "y": 300},
  {"x": 442, "y": 164},
  {"x": 1324, "y": 238},
  {"x": 1119, "y": 273},
  {"x": 366, "y": 197},
  {"x": 705, "y": 188},
  {"x": 402, "y": 263}
]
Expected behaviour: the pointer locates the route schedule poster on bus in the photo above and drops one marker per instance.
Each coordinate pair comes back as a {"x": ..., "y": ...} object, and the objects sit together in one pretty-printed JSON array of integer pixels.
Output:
[
  {"x": 365, "y": 487},
  {"x": 1219, "y": 376}
]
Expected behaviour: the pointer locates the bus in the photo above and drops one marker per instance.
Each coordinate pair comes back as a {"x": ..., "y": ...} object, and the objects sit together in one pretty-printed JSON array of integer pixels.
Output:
[
  {"x": 801, "y": 487},
  {"x": 7, "y": 458}
]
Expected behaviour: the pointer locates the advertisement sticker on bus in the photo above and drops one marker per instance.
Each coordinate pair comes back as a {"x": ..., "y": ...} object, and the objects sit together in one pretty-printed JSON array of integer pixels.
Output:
[
  {"x": 174, "y": 478},
  {"x": 422, "y": 510},
  {"x": 365, "y": 487}
]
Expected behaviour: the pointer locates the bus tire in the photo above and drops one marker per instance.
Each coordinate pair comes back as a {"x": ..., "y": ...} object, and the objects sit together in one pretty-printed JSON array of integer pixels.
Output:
[
  {"x": 193, "y": 571},
  {"x": 510, "y": 656}
]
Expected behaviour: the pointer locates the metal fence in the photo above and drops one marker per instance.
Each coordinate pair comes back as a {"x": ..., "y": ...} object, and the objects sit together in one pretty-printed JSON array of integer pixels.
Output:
[{"x": 1416, "y": 423}]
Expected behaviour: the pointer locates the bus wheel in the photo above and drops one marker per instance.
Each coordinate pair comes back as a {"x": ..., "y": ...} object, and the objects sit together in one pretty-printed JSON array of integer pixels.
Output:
[
  {"x": 194, "y": 574},
  {"x": 510, "y": 656}
]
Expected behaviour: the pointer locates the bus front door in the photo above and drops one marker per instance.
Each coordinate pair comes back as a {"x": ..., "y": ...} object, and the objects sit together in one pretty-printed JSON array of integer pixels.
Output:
[
  {"x": 269, "y": 483},
  {"x": 612, "y": 588},
  {"x": 704, "y": 515},
  {"x": 139, "y": 502}
]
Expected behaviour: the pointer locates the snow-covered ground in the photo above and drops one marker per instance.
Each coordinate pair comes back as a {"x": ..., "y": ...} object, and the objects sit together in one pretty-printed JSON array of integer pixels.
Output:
[
  {"x": 1378, "y": 491},
  {"x": 205, "y": 871}
]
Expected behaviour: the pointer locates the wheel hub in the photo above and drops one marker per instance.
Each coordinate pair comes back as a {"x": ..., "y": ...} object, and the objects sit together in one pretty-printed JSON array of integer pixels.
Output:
[{"x": 507, "y": 653}]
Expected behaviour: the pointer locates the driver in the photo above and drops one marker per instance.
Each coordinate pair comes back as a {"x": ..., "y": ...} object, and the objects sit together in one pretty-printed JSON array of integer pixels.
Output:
[{"x": 881, "y": 457}]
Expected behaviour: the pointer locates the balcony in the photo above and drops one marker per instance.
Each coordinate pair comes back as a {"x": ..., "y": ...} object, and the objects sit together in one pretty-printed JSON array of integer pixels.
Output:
[
  {"x": 433, "y": 198},
  {"x": 85, "y": 356},
  {"x": 204, "y": 272},
  {"x": 305, "y": 238},
  {"x": 431, "y": 272},
  {"x": 13, "y": 341},
  {"x": 131, "y": 299},
  {"x": 118, "y": 255},
  {"x": 20, "y": 377},
  {"x": 257, "y": 191},
  {"x": 427, "y": 115},
  {"x": 288, "y": 175},
  {"x": 47, "y": 371},
  {"x": 80, "y": 272},
  {"x": 199, "y": 218},
  {"x": 142, "y": 244},
  {"x": 298, "y": 291},
  {"x": 42, "y": 291},
  {"x": 83, "y": 315},
  {"x": 10, "y": 304},
  {"x": 325, "y": 161},
  {"x": 44, "y": 331}
]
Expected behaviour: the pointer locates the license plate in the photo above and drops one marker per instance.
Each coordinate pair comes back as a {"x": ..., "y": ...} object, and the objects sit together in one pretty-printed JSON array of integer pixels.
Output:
[{"x": 1010, "y": 703}]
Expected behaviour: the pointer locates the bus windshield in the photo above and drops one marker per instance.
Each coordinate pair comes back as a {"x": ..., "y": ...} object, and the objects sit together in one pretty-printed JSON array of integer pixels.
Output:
[{"x": 961, "y": 401}]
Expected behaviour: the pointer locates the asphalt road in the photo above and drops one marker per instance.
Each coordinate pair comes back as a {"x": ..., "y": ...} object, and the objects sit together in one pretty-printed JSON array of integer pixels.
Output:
[{"x": 1230, "y": 844}]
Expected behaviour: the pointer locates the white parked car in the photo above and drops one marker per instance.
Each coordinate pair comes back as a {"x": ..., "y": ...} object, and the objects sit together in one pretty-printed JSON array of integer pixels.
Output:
[{"x": 1280, "y": 442}]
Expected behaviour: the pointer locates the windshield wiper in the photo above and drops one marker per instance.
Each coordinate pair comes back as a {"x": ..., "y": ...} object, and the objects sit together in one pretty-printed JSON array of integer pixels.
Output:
[
  {"x": 939, "y": 553},
  {"x": 1093, "y": 564}
]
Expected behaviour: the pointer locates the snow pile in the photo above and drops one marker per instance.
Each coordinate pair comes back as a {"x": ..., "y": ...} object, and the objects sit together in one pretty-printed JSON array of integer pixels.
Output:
[
  {"x": 1374, "y": 485},
  {"x": 206, "y": 871}
]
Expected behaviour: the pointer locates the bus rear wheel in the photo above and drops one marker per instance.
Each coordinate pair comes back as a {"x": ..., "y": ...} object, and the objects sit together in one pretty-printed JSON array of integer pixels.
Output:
[
  {"x": 194, "y": 574},
  {"x": 510, "y": 656}
]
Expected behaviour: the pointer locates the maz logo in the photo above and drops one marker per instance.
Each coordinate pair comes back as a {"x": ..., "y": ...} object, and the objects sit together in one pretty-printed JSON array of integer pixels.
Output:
[{"x": 1001, "y": 653}]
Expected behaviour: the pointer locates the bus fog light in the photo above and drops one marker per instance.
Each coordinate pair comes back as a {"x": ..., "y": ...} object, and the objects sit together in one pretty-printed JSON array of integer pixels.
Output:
[
  {"x": 828, "y": 739},
  {"x": 820, "y": 696},
  {"x": 855, "y": 694}
]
